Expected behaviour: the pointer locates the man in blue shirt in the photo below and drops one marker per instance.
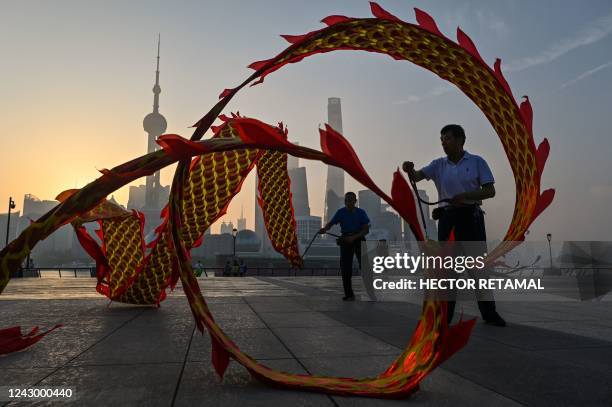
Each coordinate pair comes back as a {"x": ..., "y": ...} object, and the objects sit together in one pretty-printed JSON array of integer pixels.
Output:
[
  {"x": 465, "y": 180},
  {"x": 354, "y": 225}
]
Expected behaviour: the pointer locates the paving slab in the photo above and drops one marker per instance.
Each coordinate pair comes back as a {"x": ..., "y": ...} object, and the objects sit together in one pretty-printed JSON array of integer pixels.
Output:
[
  {"x": 64, "y": 344},
  {"x": 444, "y": 388},
  {"x": 304, "y": 319},
  {"x": 280, "y": 304},
  {"x": 201, "y": 386},
  {"x": 398, "y": 336},
  {"x": 535, "y": 337},
  {"x": 139, "y": 344},
  {"x": 332, "y": 341},
  {"x": 23, "y": 376},
  {"x": 597, "y": 332},
  {"x": 596, "y": 359},
  {"x": 530, "y": 377},
  {"x": 118, "y": 385},
  {"x": 260, "y": 343},
  {"x": 441, "y": 388}
]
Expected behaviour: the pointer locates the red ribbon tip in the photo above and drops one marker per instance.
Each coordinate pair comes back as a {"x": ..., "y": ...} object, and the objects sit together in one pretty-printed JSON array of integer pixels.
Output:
[
  {"x": 331, "y": 20},
  {"x": 380, "y": 12}
]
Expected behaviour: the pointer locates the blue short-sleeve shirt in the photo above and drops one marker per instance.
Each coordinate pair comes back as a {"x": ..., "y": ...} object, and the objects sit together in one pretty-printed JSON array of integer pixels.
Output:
[
  {"x": 350, "y": 222},
  {"x": 469, "y": 174}
]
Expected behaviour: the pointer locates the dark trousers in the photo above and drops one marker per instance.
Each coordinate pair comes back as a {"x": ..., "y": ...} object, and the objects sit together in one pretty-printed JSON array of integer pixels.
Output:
[
  {"x": 347, "y": 251},
  {"x": 468, "y": 225}
]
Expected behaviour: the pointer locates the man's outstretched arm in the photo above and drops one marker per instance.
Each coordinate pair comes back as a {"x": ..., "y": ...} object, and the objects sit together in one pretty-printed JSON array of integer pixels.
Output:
[
  {"x": 332, "y": 222},
  {"x": 325, "y": 228},
  {"x": 416, "y": 176},
  {"x": 486, "y": 191}
]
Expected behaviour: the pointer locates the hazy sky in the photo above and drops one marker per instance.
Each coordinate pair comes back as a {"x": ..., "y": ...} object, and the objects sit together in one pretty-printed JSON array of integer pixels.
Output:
[{"x": 76, "y": 79}]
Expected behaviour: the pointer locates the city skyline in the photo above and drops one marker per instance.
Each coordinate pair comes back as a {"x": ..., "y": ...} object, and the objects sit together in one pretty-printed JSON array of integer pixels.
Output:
[{"x": 75, "y": 94}]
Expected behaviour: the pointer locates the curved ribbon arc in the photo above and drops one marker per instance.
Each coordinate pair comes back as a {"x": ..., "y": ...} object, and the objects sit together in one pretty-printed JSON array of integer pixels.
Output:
[
  {"x": 422, "y": 44},
  {"x": 425, "y": 46},
  {"x": 419, "y": 358}
]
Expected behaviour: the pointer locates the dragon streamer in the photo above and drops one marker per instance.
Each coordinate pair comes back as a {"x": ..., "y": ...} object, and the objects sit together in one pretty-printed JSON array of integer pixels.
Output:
[
  {"x": 210, "y": 173},
  {"x": 13, "y": 340}
]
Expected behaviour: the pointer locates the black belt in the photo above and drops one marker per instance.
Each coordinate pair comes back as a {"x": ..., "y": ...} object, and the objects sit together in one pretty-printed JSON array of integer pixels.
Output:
[
  {"x": 340, "y": 242},
  {"x": 459, "y": 207}
]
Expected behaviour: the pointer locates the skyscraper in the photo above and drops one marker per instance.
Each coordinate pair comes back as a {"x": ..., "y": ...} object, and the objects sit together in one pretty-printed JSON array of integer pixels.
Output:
[
  {"x": 241, "y": 224},
  {"x": 299, "y": 191},
  {"x": 155, "y": 125},
  {"x": 260, "y": 226},
  {"x": 369, "y": 202},
  {"x": 151, "y": 198},
  {"x": 307, "y": 227},
  {"x": 227, "y": 227},
  {"x": 334, "y": 191},
  {"x": 292, "y": 161}
]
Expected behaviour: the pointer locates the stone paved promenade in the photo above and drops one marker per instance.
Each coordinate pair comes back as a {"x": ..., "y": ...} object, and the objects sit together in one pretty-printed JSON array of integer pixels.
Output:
[{"x": 551, "y": 354}]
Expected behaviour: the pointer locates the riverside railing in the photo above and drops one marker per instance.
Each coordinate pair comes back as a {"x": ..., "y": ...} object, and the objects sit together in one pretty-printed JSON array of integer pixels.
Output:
[{"x": 80, "y": 272}]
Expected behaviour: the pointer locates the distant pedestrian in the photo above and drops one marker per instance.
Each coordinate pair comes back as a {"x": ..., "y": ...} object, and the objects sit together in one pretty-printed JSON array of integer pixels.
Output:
[
  {"x": 354, "y": 225},
  {"x": 198, "y": 269}
]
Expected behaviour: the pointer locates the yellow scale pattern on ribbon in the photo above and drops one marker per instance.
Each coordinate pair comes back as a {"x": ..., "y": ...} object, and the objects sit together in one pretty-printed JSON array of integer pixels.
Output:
[
  {"x": 123, "y": 241},
  {"x": 149, "y": 287},
  {"x": 275, "y": 199},
  {"x": 212, "y": 183}
]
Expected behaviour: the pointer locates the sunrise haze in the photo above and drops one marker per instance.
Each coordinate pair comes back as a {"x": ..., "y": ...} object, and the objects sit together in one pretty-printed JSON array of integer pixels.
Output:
[{"x": 77, "y": 80}]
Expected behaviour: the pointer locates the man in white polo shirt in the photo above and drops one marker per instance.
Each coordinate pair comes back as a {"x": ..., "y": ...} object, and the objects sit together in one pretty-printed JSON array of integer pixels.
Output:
[{"x": 465, "y": 180}]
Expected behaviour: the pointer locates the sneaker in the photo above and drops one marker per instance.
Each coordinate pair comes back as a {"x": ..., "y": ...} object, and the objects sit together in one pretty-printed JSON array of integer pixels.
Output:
[
  {"x": 348, "y": 298},
  {"x": 495, "y": 319}
]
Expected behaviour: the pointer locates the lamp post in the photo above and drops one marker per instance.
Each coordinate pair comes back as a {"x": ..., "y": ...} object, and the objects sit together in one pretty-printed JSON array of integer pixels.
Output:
[
  {"x": 549, "y": 238},
  {"x": 234, "y": 232},
  {"x": 8, "y": 219}
]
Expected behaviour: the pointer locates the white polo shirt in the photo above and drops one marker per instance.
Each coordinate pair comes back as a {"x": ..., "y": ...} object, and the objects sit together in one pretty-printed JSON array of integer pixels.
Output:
[{"x": 469, "y": 174}]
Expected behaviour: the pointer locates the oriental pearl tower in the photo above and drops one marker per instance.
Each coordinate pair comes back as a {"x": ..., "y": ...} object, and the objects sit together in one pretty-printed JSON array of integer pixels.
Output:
[{"x": 155, "y": 125}]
